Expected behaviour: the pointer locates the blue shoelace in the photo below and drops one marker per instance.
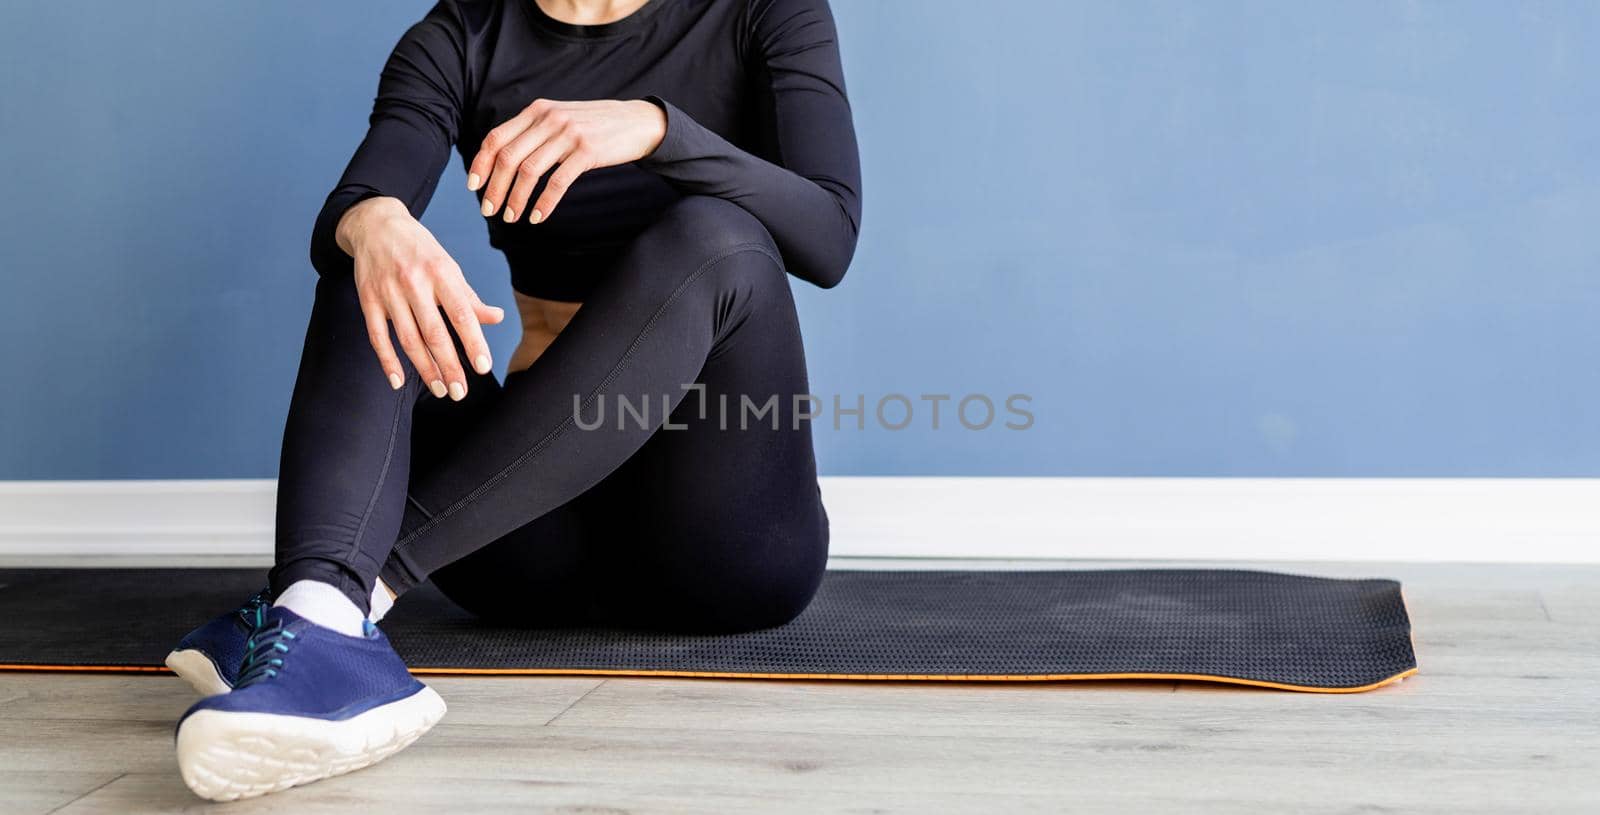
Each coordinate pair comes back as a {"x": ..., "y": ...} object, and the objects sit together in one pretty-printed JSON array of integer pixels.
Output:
[
  {"x": 264, "y": 652},
  {"x": 254, "y": 610}
]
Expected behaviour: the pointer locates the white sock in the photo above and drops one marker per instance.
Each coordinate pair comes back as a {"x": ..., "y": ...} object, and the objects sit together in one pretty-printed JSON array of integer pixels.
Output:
[
  {"x": 324, "y": 605},
  {"x": 381, "y": 601}
]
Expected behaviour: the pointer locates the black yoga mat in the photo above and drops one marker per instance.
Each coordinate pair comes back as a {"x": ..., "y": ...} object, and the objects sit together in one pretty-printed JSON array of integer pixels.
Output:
[{"x": 1247, "y": 627}]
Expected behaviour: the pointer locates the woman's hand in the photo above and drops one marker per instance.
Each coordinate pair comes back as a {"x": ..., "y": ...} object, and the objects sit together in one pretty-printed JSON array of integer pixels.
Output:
[
  {"x": 405, "y": 277},
  {"x": 572, "y": 137}
]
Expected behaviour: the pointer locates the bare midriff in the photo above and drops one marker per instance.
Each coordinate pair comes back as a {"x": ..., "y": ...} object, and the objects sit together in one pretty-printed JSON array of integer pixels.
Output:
[{"x": 542, "y": 320}]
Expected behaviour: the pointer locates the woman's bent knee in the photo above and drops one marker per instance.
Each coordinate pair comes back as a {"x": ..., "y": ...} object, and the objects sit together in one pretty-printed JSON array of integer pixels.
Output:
[
  {"x": 713, "y": 227},
  {"x": 714, "y": 245}
]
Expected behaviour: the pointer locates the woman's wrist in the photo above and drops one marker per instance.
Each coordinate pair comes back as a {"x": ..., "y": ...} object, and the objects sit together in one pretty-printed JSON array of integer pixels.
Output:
[
  {"x": 656, "y": 115},
  {"x": 362, "y": 217}
]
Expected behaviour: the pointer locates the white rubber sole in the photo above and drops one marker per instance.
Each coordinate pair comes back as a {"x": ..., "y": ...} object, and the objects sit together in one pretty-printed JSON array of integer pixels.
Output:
[
  {"x": 198, "y": 670},
  {"x": 225, "y": 756}
]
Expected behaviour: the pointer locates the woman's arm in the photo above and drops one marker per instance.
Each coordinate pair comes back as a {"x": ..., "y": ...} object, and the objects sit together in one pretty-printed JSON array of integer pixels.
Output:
[
  {"x": 415, "y": 120},
  {"x": 812, "y": 202},
  {"x": 806, "y": 191},
  {"x": 368, "y": 226}
]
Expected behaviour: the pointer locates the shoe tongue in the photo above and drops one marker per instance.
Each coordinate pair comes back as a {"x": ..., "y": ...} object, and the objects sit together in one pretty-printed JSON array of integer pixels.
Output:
[
  {"x": 286, "y": 617},
  {"x": 294, "y": 623}
]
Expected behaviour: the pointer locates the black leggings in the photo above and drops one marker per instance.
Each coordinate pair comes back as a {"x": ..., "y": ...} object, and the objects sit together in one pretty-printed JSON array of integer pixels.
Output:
[{"x": 521, "y": 508}]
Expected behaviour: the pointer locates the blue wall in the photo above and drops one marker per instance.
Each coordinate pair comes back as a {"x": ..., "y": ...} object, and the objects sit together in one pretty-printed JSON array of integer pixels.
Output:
[{"x": 1242, "y": 238}]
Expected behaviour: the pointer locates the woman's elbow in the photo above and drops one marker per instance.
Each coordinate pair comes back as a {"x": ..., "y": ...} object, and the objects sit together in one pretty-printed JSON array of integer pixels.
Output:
[
  {"x": 828, "y": 278},
  {"x": 829, "y": 270},
  {"x": 825, "y": 274}
]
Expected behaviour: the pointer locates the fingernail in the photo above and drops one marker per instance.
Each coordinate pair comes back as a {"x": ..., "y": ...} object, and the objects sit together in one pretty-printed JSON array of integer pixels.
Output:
[
  {"x": 536, "y": 217},
  {"x": 395, "y": 381},
  {"x": 457, "y": 391},
  {"x": 488, "y": 207},
  {"x": 473, "y": 181},
  {"x": 481, "y": 363},
  {"x": 438, "y": 388},
  {"x": 510, "y": 217}
]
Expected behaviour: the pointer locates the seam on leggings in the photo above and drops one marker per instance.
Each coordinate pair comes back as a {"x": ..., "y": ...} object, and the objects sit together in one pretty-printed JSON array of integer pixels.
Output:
[
  {"x": 410, "y": 499},
  {"x": 627, "y": 355},
  {"x": 377, "y": 489}
]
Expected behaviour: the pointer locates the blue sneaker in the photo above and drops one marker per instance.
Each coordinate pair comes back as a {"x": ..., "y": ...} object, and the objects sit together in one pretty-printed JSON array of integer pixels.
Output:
[
  {"x": 208, "y": 657},
  {"x": 310, "y": 703}
]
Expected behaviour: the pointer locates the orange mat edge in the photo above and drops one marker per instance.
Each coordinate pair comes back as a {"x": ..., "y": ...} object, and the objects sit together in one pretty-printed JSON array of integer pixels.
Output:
[{"x": 1228, "y": 680}]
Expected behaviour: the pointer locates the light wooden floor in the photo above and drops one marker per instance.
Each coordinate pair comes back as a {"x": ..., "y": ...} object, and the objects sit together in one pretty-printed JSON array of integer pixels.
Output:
[{"x": 1505, "y": 717}]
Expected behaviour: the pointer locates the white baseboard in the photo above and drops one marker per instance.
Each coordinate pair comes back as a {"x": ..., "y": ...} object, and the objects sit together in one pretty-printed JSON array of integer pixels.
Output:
[{"x": 1460, "y": 520}]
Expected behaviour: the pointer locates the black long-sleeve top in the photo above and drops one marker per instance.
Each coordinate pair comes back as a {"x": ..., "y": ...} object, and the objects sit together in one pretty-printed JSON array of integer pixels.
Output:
[{"x": 756, "y": 114}]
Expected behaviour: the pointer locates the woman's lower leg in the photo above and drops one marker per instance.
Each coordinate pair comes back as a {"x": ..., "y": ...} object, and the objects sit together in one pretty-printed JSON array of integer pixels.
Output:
[{"x": 346, "y": 455}]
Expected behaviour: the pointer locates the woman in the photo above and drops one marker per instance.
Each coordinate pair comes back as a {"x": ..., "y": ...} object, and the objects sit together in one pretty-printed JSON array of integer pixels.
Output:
[{"x": 648, "y": 228}]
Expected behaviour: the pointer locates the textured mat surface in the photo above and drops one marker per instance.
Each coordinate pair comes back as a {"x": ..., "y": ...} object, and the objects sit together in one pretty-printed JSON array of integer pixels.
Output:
[{"x": 1259, "y": 628}]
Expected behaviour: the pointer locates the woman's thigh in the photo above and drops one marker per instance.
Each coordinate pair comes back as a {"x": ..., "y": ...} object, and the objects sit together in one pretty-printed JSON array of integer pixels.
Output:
[
  {"x": 676, "y": 298},
  {"x": 714, "y": 525},
  {"x": 717, "y": 521}
]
